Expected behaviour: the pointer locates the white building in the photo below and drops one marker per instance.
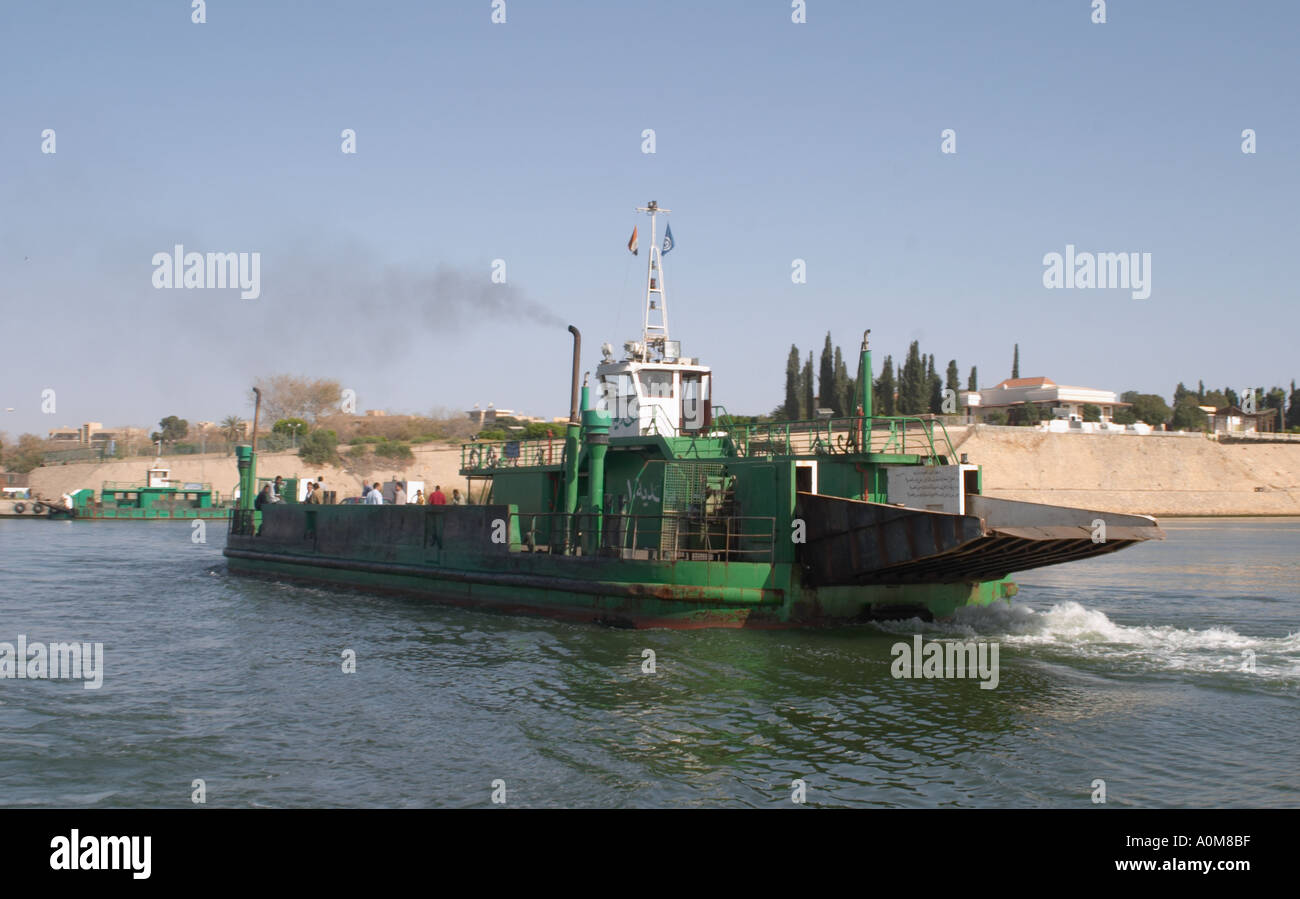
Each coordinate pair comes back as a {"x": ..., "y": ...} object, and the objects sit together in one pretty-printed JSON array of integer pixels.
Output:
[
  {"x": 1232, "y": 420},
  {"x": 1053, "y": 400}
]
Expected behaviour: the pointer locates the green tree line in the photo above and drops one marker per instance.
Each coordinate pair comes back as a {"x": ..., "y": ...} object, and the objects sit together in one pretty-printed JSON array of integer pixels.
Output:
[
  {"x": 913, "y": 388},
  {"x": 916, "y": 387}
]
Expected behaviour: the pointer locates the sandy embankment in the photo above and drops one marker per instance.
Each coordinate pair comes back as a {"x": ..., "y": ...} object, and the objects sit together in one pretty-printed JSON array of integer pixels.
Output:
[
  {"x": 1157, "y": 474},
  {"x": 1167, "y": 475}
]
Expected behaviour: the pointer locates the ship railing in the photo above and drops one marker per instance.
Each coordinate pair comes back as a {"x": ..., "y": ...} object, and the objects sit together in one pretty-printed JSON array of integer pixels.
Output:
[
  {"x": 666, "y": 538},
  {"x": 489, "y": 456},
  {"x": 897, "y": 435},
  {"x": 182, "y": 486}
]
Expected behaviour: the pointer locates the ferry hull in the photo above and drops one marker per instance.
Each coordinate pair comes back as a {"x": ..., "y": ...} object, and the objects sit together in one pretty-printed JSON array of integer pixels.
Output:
[
  {"x": 100, "y": 514},
  {"x": 410, "y": 555}
]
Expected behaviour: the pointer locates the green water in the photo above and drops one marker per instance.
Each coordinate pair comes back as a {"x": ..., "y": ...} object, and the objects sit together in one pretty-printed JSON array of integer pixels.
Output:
[{"x": 1126, "y": 669}]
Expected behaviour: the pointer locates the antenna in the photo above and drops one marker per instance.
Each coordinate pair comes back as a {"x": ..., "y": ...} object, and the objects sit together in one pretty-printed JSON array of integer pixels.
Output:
[{"x": 654, "y": 329}]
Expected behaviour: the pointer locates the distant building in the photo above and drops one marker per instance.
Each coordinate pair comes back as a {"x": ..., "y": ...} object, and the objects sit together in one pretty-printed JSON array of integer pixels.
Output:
[
  {"x": 91, "y": 433},
  {"x": 492, "y": 416},
  {"x": 376, "y": 413},
  {"x": 1055, "y": 400},
  {"x": 488, "y": 416},
  {"x": 1232, "y": 420}
]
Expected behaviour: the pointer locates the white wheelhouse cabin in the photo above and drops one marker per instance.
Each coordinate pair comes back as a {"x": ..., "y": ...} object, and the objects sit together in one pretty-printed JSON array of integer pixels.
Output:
[{"x": 671, "y": 399}]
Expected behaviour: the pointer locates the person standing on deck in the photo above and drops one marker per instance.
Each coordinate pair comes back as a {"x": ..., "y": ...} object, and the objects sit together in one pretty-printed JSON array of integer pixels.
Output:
[
  {"x": 437, "y": 498},
  {"x": 313, "y": 493},
  {"x": 457, "y": 499},
  {"x": 375, "y": 497},
  {"x": 419, "y": 498},
  {"x": 275, "y": 490},
  {"x": 399, "y": 494}
]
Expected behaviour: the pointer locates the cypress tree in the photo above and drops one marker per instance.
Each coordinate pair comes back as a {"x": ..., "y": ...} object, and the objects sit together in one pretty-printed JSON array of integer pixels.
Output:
[
  {"x": 843, "y": 391},
  {"x": 954, "y": 383},
  {"x": 1015, "y": 363},
  {"x": 809, "y": 403},
  {"x": 972, "y": 383},
  {"x": 826, "y": 393},
  {"x": 883, "y": 402},
  {"x": 934, "y": 388},
  {"x": 912, "y": 392},
  {"x": 790, "y": 409},
  {"x": 837, "y": 380}
]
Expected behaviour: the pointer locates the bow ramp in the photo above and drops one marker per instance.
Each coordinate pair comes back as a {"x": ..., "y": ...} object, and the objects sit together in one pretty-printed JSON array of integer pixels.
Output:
[{"x": 855, "y": 542}]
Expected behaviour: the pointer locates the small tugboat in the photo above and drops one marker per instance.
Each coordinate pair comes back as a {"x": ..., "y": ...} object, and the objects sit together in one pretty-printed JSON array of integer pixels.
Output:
[
  {"x": 655, "y": 510},
  {"x": 159, "y": 498}
]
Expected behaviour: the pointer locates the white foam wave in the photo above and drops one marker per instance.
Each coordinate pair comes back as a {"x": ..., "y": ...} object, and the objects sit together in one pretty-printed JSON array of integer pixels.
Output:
[{"x": 1073, "y": 629}]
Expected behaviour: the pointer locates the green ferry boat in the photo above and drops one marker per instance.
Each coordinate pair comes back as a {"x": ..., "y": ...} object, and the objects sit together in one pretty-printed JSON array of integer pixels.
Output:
[
  {"x": 654, "y": 510},
  {"x": 159, "y": 498}
]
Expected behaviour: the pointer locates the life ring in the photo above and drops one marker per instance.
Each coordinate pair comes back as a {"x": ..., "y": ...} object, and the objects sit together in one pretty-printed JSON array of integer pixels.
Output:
[
  {"x": 19, "y": 508},
  {"x": 37, "y": 508}
]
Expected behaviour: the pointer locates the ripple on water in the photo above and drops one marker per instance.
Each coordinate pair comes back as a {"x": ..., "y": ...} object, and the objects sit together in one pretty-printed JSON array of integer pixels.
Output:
[{"x": 1114, "y": 670}]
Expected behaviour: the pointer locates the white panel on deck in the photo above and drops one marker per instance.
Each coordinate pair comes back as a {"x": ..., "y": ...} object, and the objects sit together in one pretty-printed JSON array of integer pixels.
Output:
[{"x": 936, "y": 488}]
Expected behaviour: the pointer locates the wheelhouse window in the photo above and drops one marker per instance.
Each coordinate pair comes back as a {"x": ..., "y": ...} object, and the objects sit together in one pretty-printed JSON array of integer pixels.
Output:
[
  {"x": 618, "y": 395},
  {"x": 656, "y": 383}
]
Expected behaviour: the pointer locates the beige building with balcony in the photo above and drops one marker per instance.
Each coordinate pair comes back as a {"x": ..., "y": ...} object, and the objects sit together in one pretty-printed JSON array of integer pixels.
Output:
[
  {"x": 89, "y": 434},
  {"x": 1055, "y": 400}
]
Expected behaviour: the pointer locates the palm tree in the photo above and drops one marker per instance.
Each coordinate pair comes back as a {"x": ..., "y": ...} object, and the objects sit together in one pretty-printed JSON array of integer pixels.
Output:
[{"x": 232, "y": 426}]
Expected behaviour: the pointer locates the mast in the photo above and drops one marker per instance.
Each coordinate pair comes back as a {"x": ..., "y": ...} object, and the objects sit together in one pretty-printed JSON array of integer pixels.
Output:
[{"x": 654, "y": 329}]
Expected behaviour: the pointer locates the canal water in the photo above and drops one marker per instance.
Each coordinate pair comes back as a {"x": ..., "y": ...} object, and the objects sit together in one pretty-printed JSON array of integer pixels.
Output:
[{"x": 1133, "y": 670}]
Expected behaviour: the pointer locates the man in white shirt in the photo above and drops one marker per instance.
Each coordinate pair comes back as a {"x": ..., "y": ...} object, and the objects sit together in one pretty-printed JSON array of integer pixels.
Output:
[{"x": 375, "y": 497}]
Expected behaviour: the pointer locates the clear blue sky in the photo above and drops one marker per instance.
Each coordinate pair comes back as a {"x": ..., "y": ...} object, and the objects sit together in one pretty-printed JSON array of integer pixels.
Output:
[{"x": 522, "y": 141}]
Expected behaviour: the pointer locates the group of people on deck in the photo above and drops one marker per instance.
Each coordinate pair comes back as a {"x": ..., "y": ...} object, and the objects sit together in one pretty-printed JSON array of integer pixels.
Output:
[
  {"x": 373, "y": 494},
  {"x": 270, "y": 492}
]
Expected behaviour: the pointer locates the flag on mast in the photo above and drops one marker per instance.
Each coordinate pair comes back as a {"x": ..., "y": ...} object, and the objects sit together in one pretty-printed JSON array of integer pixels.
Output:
[
  {"x": 631, "y": 244},
  {"x": 668, "y": 240}
]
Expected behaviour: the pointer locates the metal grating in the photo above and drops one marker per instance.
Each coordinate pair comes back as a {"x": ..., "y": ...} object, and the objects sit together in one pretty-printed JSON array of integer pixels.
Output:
[{"x": 685, "y": 491}]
